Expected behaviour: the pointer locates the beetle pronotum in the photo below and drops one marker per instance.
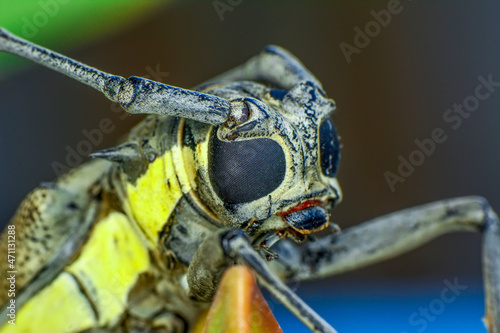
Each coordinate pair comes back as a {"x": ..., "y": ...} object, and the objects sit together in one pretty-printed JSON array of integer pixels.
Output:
[{"x": 238, "y": 170}]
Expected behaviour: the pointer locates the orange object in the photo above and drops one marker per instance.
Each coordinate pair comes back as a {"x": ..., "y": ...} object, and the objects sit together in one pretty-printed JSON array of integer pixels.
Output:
[{"x": 239, "y": 306}]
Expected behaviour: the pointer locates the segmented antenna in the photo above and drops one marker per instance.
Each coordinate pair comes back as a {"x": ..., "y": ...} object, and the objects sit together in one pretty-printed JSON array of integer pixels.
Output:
[
  {"x": 136, "y": 95},
  {"x": 274, "y": 65}
]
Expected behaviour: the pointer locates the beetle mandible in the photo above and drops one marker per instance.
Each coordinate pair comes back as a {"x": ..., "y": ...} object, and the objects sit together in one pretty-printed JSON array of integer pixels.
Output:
[{"x": 239, "y": 170}]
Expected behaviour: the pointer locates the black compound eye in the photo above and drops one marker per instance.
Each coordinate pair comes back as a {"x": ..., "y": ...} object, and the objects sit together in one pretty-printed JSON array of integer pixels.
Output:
[
  {"x": 329, "y": 148},
  {"x": 243, "y": 171}
]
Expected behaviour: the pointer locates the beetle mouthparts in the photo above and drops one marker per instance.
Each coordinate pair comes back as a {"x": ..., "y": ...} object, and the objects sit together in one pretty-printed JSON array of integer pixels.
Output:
[
  {"x": 301, "y": 206},
  {"x": 308, "y": 220}
]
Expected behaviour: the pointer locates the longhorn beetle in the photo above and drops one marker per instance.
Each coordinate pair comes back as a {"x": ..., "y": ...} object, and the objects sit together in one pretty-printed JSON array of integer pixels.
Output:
[{"x": 239, "y": 170}]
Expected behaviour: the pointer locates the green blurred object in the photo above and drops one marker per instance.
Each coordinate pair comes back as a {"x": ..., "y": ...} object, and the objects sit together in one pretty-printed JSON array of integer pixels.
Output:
[{"x": 62, "y": 24}]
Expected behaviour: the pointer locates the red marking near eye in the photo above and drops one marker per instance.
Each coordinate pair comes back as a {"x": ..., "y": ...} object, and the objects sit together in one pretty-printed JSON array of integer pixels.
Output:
[{"x": 302, "y": 205}]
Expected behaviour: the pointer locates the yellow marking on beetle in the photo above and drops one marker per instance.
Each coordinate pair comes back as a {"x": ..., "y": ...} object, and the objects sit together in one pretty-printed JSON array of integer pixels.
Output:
[
  {"x": 189, "y": 167},
  {"x": 201, "y": 157},
  {"x": 109, "y": 265},
  {"x": 202, "y": 151},
  {"x": 59, "y": 307},
  {"x": 154, "y": 196},
  {"x": 184, "y": 161},
  {"x": 106, "y": 269},
  {"x": 184, "y": 167}
]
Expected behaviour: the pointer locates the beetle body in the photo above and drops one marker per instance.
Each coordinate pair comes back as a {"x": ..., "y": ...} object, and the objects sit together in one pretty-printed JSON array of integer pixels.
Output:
[
  {"x": 150, "y": 202},
  {"x": 137, "y": 239}
]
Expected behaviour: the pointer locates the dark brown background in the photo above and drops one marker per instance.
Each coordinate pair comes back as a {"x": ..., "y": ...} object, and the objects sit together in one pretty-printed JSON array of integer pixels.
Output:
[{"x": 395, "y": 91}]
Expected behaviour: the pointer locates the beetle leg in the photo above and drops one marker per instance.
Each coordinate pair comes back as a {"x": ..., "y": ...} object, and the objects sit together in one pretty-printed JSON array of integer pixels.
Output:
[
  {"x": 274, "y": 65},
  {"x": 225, "y": 248},
  {"x": 399, "y": 232},
  {"x": 136, "y": 95},
  {"x": 237, "y": 245}
]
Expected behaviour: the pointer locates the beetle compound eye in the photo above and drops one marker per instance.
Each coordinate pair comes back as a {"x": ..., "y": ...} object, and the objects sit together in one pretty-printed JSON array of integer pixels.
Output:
[
  {"x": 329, "y": 148},
  {"x": 242, "y": 171}
]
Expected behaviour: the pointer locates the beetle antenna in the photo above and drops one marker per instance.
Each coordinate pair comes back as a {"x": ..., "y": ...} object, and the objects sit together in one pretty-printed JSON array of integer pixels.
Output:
[{"x": 136, "y": 95}]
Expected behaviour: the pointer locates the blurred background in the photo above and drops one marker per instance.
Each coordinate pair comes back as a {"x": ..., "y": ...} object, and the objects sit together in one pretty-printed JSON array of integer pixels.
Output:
[{"x": 392, "y": 87}]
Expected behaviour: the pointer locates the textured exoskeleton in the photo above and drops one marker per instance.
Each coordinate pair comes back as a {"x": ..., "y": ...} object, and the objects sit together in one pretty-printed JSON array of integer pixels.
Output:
[{"x": 239, "y": 170}]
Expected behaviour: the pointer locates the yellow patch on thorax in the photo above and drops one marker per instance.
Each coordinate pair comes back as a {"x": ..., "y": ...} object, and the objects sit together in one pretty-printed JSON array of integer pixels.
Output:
[{"x": 155, "y": 195}]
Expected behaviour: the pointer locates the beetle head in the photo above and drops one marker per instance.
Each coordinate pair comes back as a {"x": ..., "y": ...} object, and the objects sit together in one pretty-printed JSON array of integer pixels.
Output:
[{"x": 272, "y": 165}]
